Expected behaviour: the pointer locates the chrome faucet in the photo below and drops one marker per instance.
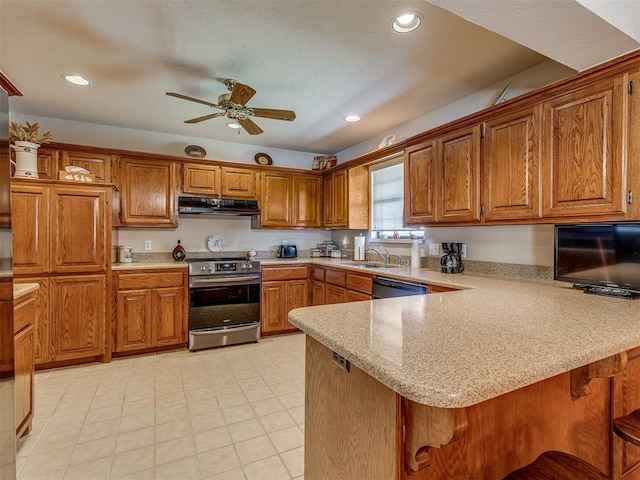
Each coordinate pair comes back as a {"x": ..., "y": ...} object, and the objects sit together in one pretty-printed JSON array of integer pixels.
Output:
[{"x": 384, "y": 256}]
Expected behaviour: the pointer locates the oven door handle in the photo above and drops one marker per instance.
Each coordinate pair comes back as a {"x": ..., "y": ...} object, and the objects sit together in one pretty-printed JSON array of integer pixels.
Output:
[
  {"x": 221, "y": 331},
  {"x": 210, "y": 282}
]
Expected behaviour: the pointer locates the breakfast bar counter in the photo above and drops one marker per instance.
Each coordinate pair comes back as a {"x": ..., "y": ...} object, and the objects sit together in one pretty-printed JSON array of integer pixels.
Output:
[{"x": 500, "y": 368}]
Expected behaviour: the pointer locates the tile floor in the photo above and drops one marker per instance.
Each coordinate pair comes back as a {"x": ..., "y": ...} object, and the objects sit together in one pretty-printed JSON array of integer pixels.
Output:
[{"x": 230, "y": 413}]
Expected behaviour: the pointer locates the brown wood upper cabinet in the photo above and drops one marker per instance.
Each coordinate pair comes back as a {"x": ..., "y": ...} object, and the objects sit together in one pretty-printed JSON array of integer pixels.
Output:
[
  {"x": 420, "y": 183},
  {"x": 97, "y": 164},
  {"x": 290, "y": 200},
  {"x": 511, "y": 166},
  {"x": 148, "y": 193},
  {"x": 346, "y": 199},
  {"x": 584, "y": 150},
  {"x": 217, "y": 181}
]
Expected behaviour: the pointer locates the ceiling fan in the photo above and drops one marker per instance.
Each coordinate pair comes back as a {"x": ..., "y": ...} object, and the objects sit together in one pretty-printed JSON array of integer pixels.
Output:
[{"x": 235, "y": 107}]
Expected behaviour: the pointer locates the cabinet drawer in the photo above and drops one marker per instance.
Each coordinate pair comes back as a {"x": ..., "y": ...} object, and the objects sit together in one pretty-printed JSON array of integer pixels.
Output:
[
  {"x": 149, "y": 280},
  {"x": 359, "y": 283},
  {"x": 284, "y": 273},
  {"x": 336, "y": 277},
  {"x": 439, "y": 289},
  {"x": 24, "y": 313},
  {"x": 318, "y": 274},
  {"x": 357, "y": 296}
]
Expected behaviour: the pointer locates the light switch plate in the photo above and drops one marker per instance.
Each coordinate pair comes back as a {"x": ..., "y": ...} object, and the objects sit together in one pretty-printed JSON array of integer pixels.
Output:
[
  {"x": 434, "y": 249},
  {"x": 147, "y": 245}
]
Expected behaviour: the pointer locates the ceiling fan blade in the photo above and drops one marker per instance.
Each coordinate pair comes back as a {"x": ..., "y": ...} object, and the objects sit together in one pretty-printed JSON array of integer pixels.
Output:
[
  {"x": 276, "y": 114},
  {"x": 205, "y": 117},
  {"x": 250, "y": 126},
  {"x": 241, "y": 94},
  {"x": 191, "y": 99}
]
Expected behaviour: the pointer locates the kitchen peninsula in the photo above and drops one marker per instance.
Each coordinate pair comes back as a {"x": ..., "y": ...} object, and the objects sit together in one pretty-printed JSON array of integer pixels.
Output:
[{"x": 467, "y": 384}]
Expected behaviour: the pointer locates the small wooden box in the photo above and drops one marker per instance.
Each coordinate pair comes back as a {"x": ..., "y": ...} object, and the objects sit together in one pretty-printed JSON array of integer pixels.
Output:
[{"x": 76, "y": 177}]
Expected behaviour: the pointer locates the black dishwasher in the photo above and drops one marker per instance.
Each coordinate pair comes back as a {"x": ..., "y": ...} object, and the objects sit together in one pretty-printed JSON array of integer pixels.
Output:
[{"x": 389, "y": 288}]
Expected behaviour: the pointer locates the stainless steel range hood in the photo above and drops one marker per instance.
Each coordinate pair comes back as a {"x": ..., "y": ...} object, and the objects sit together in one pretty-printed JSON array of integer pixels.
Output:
[{"x": 216, "y": 206}]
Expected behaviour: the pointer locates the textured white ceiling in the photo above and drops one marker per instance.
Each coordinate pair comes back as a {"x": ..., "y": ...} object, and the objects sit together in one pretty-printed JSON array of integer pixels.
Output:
[{"x": 323, "y": 59}]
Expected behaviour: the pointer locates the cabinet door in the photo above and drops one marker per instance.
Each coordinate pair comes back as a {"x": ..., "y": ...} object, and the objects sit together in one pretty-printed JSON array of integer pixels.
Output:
[
  {"x": 307, "y": 201},
  {"x": 41, "y": 324},
  {"x": 419, "y": 184},
  {"x": 96, "y": 163},
  {"x": 318, "y": 293},
  {"x": 335, "y": 294},
  {"x": 24, "y": 368},
  {"x": 238, "y": 183},
  {"x": 275, "y": 204},
  {"x": 77, "y": 316},
  {"x": 585, "y": 140},
  {"x": 353, "y": 296},
  {"x": 133, "y": 320},
  {"x": 168, "y": 318},
  {"x": 148, "y": 193},
  {"x": 459, "y": 176},
  {"x": 297, "y": 296},
  {"x": 340, "y": 200},
  {"x": 78, "y": 230},
  {"x": 47, "y": 163},
  {"x": 273, "y": 306},
  {"x": 200, "y": 179},
  {"x": 511, "y": 166},
  {"x": 30, "y": 204},
  {"x": 328, "y": 201}
]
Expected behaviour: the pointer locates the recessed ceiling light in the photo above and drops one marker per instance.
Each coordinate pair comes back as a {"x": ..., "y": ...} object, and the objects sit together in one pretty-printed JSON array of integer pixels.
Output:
[
  {"x": 407, "y": 22},
  {"x": 352, "y": 118},
  {"x": 77, "y": 80},
  {"x": 234, "y": 125}
]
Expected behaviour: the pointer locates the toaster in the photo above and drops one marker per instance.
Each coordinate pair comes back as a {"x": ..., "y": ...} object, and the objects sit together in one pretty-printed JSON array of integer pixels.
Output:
[{"x": 287, "y": 251}]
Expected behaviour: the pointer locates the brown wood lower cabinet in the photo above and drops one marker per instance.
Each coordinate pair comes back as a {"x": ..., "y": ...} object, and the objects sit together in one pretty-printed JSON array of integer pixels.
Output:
[
  {"x": 283, "y": 289},
  {"x": 335, "y": 294},
  {"x": 151, "y": 310},
  {"x": 25, "y": 310}
]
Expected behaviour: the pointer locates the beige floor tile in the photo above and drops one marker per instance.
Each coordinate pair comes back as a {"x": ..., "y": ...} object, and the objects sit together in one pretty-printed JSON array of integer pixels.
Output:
[
  {"x": 231, "y": 400},
  {"x": 294, "y": 461},
  {"x": 169, "y": 414},
  {"x": 251, "y": 383},
  {"x": 137, "y": 421},
  {"x": 107, "y": 400},
  {"x": 274, "y": 378},
  {"x": 135, "y": 439},
  {"x": 212, "y": 439},
  {"x": 217, "y": 461},
  {"x": 200, "y": 407},
  {"x": 93, "y": 470},
  {"x": 175, "y": 449},
  {"x": 238, "y": 414},
  {"x": 25, "y": 445},
  {"x": 171, "y": 430},
  {"x": 183, "y": 469},
  {"x": 73, "y": 407},
  {"x": 103, "y": 414},
  {"x": 138, "y": 406},
  {"x": 132, "y": 461},
  {"x": 283, "y": 388},
  {"x": 276, "y": 421},
  {"x": 291, "y": 400},
  {"x": 39, "y": 464},
  {"x": 207, "y": 421},
  {"x": 146, "y": 474},
  {"x": 204, "y": 393},
  {"x": 287, "y": 439},
  {"x": 235, "y": 474},
  {"x": 244, "y": 430},
  {"x": 270, "y": 468},
  {"x": 254, "y": 449},
  {"x": 94, "y": 431},
  {"x": 57, "y": 437},
  {"x": 93, "y": 450},
  {"x": 175, "y": 398},
  {"x": 297, "y": 413},
  {"x": 260, "y": 393},
  {"x": 265, "y": 407}
]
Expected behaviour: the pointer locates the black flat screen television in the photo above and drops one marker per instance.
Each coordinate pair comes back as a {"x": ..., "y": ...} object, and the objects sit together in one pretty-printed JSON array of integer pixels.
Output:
[{"x": 601, "y": 258}]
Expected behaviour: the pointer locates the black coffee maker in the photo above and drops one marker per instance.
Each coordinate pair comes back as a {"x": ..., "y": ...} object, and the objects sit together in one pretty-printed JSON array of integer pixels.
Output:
[{"x": 451, "y": 261}]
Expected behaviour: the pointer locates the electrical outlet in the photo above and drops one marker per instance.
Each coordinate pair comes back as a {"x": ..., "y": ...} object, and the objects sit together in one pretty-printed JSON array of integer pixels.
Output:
[
  {"x": 463, "y": 253},
  {"x": 434, "y": 249},
  {"x": 147, "y": 244}
]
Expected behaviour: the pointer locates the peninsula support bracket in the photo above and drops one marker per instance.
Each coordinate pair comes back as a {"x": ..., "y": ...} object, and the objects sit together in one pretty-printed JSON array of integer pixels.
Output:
[
  {"x": 427, "y": 427},
  {"x": 607, "y": 367}
]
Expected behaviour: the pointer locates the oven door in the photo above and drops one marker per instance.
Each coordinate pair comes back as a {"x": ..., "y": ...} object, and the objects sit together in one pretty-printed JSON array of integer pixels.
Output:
[{"x": 224, "y": 302}]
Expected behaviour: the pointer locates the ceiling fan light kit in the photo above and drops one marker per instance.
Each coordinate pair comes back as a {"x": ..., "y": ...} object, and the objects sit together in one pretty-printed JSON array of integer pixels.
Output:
[{"x": 234, "y": 106}]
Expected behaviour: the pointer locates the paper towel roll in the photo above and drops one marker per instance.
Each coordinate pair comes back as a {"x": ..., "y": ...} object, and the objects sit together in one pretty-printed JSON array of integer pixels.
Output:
[
  {"x": 358, "y": 247},
  {"x": 415, "y": 254}
]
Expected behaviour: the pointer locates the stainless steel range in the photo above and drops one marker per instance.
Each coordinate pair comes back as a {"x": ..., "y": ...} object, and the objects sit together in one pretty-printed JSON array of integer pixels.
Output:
[{"x": 224, "y": 302}]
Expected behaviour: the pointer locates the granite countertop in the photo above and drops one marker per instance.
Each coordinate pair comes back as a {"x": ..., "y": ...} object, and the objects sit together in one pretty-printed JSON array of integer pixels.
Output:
[
  {"x": 148, "y": 265},
  {"x": 21, "y": 289},
  {"x": 456, "y": 349}
]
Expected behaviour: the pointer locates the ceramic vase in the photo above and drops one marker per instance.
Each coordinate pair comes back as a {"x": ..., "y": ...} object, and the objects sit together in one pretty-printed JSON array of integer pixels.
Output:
[{"x": 26, "y": 159}]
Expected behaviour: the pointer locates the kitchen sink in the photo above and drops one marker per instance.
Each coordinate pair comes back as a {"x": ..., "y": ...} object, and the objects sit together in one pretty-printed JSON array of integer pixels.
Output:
[{"x": 367, "y": 264}]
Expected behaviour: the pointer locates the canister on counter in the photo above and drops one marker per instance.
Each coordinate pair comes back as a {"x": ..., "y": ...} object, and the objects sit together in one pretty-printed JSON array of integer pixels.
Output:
[{"x": 125, "y": 254}]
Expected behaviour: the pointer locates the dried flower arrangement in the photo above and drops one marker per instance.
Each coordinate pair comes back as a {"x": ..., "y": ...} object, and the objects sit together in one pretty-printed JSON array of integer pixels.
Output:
[{"x": 30, "y": 133}]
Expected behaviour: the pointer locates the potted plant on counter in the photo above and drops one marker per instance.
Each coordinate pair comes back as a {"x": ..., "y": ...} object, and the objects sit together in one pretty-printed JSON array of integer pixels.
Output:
[{"x": 26, "y": 139}]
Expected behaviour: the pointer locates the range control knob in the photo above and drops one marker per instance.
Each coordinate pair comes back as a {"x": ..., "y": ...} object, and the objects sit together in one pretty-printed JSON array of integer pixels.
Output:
[{"x": 246, "y": 265}]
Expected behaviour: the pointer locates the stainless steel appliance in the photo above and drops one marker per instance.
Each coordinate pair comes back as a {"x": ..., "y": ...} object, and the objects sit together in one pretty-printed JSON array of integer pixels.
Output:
[
  {"x": 224, "y": 302},
  {"x": 389, "y": 288},
  {"x": 216, "y": 206},
  {"x": 451, "y": 261},
  {"x": 287, "y": 251}
]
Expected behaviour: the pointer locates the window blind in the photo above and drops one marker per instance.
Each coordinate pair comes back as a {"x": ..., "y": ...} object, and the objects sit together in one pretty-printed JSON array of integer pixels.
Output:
[{"x": 387, "y": 195}]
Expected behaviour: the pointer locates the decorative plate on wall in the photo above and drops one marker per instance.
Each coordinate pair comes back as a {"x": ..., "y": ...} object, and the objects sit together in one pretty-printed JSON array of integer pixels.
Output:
[
  {"x": 215, "y": 243},
  {"x": 263, "y": 159},
  {"x": 195, "y": 151}
]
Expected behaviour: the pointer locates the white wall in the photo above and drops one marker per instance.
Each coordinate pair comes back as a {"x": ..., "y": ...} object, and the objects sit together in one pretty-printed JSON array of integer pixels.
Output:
[
  {"x": 236, "y": 231},
  {"x": 66, "y": 131}
]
